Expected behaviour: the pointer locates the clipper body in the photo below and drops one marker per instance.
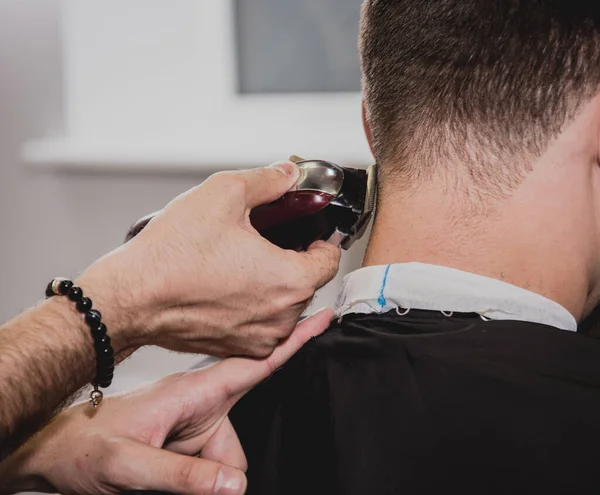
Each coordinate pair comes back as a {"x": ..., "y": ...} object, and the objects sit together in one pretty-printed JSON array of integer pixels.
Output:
[{"x": 328, "y": 202}]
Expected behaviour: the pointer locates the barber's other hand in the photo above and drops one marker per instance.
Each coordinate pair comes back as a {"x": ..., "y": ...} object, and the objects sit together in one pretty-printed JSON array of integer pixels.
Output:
[
  {"x": 200, "y": 279},
  {"x": 120, "y": 446}
]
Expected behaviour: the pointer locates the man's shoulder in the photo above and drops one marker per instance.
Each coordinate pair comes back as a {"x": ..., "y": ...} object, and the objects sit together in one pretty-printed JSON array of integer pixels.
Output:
[
  {"x": 514, "y": 350},
  {"x": 435, "y": 354},
  {"x": 432, "y": 392}
]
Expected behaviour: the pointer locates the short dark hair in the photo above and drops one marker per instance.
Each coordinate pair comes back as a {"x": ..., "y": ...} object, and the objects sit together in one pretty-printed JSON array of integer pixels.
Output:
[{"x": 490, "y": 82}]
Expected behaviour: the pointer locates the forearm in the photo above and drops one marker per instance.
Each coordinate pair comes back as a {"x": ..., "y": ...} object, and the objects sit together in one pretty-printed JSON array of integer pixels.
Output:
[{"x": 46, "y": 355}]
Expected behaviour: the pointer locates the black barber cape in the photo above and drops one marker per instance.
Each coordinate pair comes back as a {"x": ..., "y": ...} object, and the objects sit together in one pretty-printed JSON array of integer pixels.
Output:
[{"x": 425, "y": 404}]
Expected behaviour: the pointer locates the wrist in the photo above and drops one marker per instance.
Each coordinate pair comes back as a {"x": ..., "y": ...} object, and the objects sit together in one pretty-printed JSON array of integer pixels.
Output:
[
  {"x": 119, "y": 313},
  {"x": 68, "y": 332}
]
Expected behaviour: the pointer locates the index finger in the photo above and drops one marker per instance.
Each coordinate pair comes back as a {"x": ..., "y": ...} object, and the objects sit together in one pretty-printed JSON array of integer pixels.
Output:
[{"x": 239, "y": 375}]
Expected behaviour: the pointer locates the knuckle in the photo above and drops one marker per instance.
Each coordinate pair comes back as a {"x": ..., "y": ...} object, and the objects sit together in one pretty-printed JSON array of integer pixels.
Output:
[
  {"x": 262, "y": 353},
  {"x": 237, "y": 187},
  {"x": 284, "y": 331},
  {"x": 217, "y": 180},
  {"x": 228, "y": 188},
  {"x": 231, "y": 183},
  {"x": 292, "y": 299},
  {"x": 305, "y": 293},
  {"x": 265, "y": 348},
  {"x": 305, "y": 288},
  {"x": 281, "y": 304}
]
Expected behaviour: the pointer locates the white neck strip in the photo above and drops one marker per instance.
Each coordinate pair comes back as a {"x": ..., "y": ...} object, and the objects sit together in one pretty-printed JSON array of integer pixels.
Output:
[{"x": 380, "y": 289}]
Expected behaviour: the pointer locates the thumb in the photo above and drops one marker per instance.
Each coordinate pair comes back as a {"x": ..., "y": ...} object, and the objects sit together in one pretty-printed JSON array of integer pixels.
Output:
[
  {"x": 265, "y": 185},
  {"x": 150, "y": 469}
]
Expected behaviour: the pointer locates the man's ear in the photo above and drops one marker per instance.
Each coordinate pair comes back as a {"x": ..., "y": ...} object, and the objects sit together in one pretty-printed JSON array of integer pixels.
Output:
[{"x": 367, "y": 127}]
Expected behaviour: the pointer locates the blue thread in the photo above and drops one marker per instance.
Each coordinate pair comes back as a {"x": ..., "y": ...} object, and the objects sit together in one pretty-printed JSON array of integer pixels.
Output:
[{"x": 382, "y": 300}]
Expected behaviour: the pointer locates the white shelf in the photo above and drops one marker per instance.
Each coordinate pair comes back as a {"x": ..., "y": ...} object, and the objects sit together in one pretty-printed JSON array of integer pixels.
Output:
[{"x": 65, "y": 155}]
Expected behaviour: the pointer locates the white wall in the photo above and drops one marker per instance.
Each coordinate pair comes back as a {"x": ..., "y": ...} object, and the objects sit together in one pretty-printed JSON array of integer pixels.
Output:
[
  {"x": 56, "y": 223},
  {"x": 153, "y": 82}
]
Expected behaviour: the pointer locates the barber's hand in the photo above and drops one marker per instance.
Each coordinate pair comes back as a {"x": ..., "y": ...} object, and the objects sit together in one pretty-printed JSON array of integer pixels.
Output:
[
  {"x": 118, "y": 447},
  {"x": 200, "y": 279}
]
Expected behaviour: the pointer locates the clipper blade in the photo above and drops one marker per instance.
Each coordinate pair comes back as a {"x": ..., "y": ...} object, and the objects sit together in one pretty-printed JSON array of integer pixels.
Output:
[{"x": 371, "y": 197}]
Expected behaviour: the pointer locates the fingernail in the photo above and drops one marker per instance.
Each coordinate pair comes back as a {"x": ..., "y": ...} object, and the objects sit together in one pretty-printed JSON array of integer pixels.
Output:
[
  {"x": 230, "y": 482},
  {"x": 286, "y": 168}
]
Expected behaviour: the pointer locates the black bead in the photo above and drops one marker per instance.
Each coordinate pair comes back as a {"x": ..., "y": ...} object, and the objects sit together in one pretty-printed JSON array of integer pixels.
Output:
[
  {"x": 106, "y": 354},
  {"x": 105, "y": 369},
  {"x": 93, "y": 318},
  {"x": 105, "y": 384},
  {"x": 99, "y": 333},
  {"x": 75, "y": 294},
  {"x": 105, "y": 365},
  {"x": 64, "y": 287},
  {"x": 106, "y": 376},
  {"x": 49, "y": 291},
  {"x": 84, "y": 305},
  {"x": 102, "y": 341}
]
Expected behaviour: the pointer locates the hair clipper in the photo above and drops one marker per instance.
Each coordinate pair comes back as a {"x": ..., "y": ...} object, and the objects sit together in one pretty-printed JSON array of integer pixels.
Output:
[{"x": 328, "y": 202}]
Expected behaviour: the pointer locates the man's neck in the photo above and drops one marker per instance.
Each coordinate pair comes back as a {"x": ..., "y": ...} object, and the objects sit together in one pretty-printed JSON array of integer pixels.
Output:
[{"x": 502, "y": 243}]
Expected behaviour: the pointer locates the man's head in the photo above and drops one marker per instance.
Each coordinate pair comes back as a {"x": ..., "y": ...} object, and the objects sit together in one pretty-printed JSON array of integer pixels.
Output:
[
  {"x": 484, "y": 117},
  {"x": 487, "y": 83}
]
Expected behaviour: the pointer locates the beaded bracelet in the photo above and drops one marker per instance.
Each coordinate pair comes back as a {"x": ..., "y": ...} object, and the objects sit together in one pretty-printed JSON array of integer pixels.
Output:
[{"x": 105, "y": 355}]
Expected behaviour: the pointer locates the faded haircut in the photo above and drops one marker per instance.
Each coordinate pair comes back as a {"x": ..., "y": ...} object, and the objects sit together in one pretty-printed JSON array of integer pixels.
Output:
[{"x": 484, "y": 83}]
